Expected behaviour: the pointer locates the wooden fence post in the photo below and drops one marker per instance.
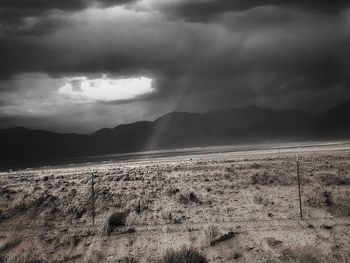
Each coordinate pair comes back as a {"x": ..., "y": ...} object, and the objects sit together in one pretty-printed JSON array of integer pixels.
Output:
[
  {"x": 300, "y": 208},
  {"x": 93, "y": 197}
]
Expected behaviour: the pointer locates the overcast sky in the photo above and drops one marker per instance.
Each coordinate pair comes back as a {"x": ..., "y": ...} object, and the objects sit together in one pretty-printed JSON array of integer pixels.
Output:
[{"x": 80, "y": 65}]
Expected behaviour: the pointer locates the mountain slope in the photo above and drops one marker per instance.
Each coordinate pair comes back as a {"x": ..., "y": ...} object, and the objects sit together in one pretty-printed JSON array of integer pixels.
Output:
[
  {"x": 22, "y": 143},
  {"x": 335, "y": 122},
  {"x": 175, "y": 130}
]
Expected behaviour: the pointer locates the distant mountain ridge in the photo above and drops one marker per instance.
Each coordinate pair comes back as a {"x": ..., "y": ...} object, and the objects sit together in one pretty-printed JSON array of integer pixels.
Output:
[{"x": 252, "y": 124}]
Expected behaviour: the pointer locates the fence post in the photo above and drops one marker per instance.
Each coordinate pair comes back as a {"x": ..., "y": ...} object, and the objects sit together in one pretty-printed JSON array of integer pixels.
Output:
[
  {"x": 301, "y": 210},
  {"x": 93, "y": 197},
  {"x": 315, "y": 150},
  {"x": 279, "y": 152}
]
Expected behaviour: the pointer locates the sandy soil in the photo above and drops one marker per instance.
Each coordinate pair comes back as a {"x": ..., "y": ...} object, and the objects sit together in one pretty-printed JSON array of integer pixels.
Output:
[{"x": 237, "y": 206}]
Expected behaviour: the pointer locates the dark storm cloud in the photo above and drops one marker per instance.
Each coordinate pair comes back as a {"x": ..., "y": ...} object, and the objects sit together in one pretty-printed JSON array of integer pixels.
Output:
[
  {"x": 282, "y": 50},
  {"x": 37, "y": 27},
  {"x": 203, "y": 10},
  {"x": 266, "y": 51},
  {"x": 272, "y": 59},
  {"x": 14, "y": 11},
  {"x": 88, "y": 50},
  {"x": 19, "y": 54}
]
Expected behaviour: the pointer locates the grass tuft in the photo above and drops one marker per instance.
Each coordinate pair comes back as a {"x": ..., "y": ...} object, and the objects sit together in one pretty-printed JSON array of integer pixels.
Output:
[{"x": 185, "y": 255}]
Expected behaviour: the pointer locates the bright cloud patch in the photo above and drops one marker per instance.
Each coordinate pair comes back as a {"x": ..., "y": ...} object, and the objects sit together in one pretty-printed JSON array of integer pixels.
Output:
[{"x": 105, "y": 89}]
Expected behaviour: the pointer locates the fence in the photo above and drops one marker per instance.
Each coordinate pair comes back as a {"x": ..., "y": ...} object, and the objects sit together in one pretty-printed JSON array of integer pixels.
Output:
[
  {"x": 194, "y": 191},
  {"x": 275, "y": 189}
]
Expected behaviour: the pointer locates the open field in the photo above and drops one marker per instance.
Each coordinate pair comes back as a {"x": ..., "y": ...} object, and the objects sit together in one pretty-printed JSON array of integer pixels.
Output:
[{"x": 237, "y": 206}]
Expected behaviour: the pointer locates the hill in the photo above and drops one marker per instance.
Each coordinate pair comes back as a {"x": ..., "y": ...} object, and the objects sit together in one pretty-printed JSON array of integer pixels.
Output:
[{"x": 176, "y": 130}]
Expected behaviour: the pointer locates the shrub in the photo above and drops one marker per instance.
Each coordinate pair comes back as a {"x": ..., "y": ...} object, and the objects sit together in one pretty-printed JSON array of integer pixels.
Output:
[
  {"x": 272, "y": 242},
  {"x": 272, "y": 177},
  {"x": 185, "y": 255},
  {"x": 113, "y": 221},
  {"x": 94, "y": 256},
  {"x": 187, "y": 198},
  {"x": 166, "y": 215},
  {"x": 258, "y": 199},
  {"x": 318, "y": 196},
  {"x": 10, "y": 244},
  {"x": 2, "y": 216},
  {"x": 180, "y": 198},
  {"x": 126, "y": 260},
  {"x": 310, "y": 254},
  {"x": 328, "y": 178},
  {"x": 170, "y": 191},
  {"x": 255, "y": 165},
  {"x": 139, "y": 206},
  {"x": 209, "y": 234},
  {"x": 341, "y": 207},
  {"x": 262, "y": 178},
  {"x": 230, "y": 173},
  {"x": 25, "y": 257}
]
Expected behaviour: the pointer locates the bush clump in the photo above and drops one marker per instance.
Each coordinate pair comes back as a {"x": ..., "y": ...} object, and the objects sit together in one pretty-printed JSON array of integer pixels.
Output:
[
  {"x": 262, "y": 178},
  {"x": 185, "y": 255},
  {"x": 170, "y": 191},
  {"x": 310, "y": 254},
  {"x": 272, "y": 177},
  {"x": 127, "y": 260},
  {"x": 25, "y": 257},
  {"x": 186, "y": 198},
  {"x": 328, "y": 178},
  {"x": 114, "y": 220},
  {"x": 139, "y": 206},
  {"x": 209, "y": 235},
  {"x": 318, "y": 196}
]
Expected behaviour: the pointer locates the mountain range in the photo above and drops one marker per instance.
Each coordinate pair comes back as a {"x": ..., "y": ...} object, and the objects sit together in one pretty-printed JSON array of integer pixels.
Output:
[{"x": 22, "y": 146}]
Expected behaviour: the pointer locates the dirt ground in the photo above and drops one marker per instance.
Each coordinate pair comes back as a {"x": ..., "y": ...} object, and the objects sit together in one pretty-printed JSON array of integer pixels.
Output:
[{"x": 231, "y": 207}]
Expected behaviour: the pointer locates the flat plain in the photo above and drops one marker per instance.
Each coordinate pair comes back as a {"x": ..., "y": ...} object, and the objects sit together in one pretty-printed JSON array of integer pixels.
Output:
[{"x": 240, "y": 206}]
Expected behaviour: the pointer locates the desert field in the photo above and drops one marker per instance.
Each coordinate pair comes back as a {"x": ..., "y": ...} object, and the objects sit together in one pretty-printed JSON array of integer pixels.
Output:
[{"x": 239, "y": 206}]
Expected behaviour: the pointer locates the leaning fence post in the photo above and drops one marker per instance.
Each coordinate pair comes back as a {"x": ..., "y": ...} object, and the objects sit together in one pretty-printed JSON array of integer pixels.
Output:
[
  {"x": 93, "y": 197},
  {"x": 297, "y": 161}
]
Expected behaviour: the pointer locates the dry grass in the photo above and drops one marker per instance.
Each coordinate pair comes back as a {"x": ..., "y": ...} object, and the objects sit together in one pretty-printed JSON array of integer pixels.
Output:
[
  {"x": 189, "y": 199},
  {"x": 126, "y": 260},
  {"x": 28, "y": 256},
  {"x": 94, "y": 256},
  {"x": 311, "y": 254},
  {"x": 333, "y": 178},
  {"x": 209, "y": 234},
  {"x": 184, "y": 255},
  {"x": 10, "y": 244},
  {"x": 271, "y": 177}
]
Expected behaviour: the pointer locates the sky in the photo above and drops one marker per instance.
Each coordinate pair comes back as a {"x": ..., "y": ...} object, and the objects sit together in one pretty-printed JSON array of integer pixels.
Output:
[{"x": 81, "y": 65}]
